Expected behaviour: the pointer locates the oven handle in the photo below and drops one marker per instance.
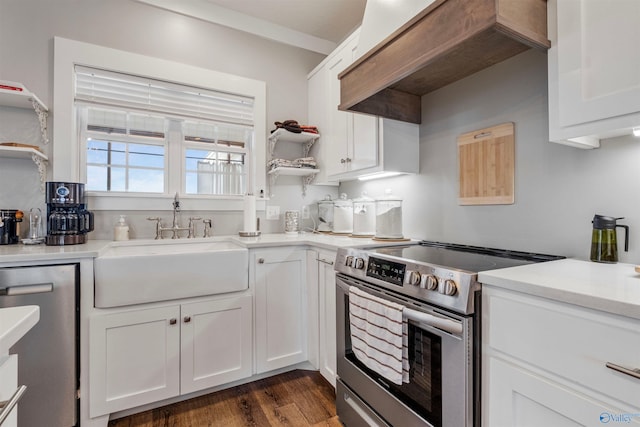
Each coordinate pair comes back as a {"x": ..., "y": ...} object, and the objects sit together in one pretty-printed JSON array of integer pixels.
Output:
[
  {"x": 446, "y": 325},
  {"x": 365, "y": 417}
]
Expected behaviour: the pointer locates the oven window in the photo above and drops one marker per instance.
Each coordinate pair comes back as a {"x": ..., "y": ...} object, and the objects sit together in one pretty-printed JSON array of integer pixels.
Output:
[{"x": 423, "y": 392}]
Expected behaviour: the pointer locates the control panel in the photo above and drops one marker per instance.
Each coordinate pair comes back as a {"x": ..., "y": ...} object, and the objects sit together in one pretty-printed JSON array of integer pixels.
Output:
[{"x": 430, "y": 283}]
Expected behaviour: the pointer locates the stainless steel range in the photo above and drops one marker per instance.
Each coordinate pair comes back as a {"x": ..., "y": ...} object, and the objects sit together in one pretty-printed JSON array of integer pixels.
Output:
[{"x": 436, "y": 286}]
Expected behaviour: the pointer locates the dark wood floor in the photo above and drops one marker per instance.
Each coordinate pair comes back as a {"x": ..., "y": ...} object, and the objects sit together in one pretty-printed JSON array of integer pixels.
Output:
[{"x": 293, "y": 399}]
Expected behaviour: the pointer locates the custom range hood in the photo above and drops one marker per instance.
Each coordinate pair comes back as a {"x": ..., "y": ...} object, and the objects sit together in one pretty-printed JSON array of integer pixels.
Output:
[{"x": 445, "y": 42}]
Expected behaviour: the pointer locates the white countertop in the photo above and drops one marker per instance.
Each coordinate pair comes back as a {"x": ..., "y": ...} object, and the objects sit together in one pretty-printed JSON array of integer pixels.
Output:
[
  {"x": 91, "y": 249},
  {"x": 15, "y": 322},
  {"x": 613, "y": 288}
]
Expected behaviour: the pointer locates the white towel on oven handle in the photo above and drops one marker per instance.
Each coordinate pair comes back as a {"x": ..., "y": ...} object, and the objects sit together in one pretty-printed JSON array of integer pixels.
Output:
[{"x": 379, "y": 335}]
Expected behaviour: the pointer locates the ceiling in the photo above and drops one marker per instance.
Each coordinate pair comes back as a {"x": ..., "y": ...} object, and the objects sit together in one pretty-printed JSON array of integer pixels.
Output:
[{"x": 316, "y": 25}]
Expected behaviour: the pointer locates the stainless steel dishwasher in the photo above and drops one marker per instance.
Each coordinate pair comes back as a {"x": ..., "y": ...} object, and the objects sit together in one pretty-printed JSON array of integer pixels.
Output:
[{"x": 48, "y": 354}]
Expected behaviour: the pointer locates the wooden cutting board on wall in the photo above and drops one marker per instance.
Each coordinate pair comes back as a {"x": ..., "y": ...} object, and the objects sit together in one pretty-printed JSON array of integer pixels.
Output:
[{"x": 486, "y": 166}]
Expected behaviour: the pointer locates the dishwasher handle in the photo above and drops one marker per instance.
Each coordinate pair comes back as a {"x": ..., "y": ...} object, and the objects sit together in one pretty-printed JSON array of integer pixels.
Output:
[
  {"x": 7, "y": 406},
  {"x": 36, "y": 288}
]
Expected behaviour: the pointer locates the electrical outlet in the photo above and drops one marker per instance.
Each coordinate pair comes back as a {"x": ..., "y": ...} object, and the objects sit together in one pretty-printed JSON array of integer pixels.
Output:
[
  {"x": 305, "y": 212},
  {"x": 273, "y": 212}
]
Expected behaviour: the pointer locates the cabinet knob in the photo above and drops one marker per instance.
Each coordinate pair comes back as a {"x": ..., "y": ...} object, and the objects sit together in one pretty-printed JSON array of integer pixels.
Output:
[
  {"x": 173, "y": 321},
  {"x": 260, "y": 260},
  {"x": 348, "y": 160},
  {"x": 343, "y": 161},
  {"x": 187, "y": 319}
]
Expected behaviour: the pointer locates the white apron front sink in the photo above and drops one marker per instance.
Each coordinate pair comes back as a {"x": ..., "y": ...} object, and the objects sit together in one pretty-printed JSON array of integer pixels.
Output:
[{"x": 139, "y": 272}]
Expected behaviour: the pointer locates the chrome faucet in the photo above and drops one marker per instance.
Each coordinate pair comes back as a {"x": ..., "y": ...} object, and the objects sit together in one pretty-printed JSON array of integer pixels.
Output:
[{"x": 175, "y": 226}]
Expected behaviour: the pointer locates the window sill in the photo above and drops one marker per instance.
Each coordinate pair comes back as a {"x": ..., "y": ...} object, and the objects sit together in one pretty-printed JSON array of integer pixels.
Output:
[{"x": 161, "y": 202}]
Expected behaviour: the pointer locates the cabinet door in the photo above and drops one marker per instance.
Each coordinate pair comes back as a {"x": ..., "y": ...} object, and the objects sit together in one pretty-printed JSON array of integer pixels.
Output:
[
  {"x": 281, "y": 299},
  {"x": 327, "y": 309},
  {"x": 518, "y": 397},
  {"x": 135, "y": 358},
  {"x": 216, "y": 342},
  {"x": 594, "y": 75},
  {"x": 340, "y": 129},
  {"x": 318, "y": 98},
  {"x": 363, "y": 134}
]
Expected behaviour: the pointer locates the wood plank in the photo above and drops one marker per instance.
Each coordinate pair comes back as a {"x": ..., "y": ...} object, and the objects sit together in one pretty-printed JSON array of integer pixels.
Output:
[{"x": 296, "y": 398}]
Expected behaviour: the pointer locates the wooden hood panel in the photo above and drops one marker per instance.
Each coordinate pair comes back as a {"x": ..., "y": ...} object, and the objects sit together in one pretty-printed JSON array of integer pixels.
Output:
[{"x": 449, "y": 40}]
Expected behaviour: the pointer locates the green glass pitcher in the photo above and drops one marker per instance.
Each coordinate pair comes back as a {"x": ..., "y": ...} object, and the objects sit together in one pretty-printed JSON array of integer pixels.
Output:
[{"x": 604, "y": 242}]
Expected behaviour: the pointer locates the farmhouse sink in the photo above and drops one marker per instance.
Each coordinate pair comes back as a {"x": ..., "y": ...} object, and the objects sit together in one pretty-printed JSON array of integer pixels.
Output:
[{"x": 151, "y": 270}]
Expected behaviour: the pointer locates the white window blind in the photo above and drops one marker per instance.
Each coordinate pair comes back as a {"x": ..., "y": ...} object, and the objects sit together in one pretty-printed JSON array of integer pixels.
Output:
[{"x": 101, "y": 87}]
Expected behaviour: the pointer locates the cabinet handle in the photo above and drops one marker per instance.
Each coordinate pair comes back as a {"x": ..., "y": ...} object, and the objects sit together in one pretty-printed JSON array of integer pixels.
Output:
[
  {"x": 187, "y": 319},
  {"x": 325, "y": 262},
  {"x": 343, "y": 161},
  {"x": 173, "y": 321},
  {"x": 7, "y": 405},
  {"x": 635, "y": 373},
  {"x": 260, "y": 260},
  {"x": 348, "y": 160},
  {"x": 37, "y": 288}
]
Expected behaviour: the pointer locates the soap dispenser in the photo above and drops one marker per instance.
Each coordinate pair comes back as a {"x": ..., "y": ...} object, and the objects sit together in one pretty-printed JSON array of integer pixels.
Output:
[{"x": 121, "y": 230}]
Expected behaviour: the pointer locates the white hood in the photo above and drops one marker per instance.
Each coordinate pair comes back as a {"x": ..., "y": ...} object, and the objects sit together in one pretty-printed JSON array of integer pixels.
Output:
[{"x": 383, "y": 17}]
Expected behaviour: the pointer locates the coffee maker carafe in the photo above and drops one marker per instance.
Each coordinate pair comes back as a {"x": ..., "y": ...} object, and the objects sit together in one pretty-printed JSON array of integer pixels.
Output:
[
  {"x": 604, "y": 241},
  {"x": 68, "y": 220}
]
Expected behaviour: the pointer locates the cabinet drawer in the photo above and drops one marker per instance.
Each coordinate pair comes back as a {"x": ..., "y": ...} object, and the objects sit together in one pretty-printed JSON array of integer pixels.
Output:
[{"x": 569, "y": 341}]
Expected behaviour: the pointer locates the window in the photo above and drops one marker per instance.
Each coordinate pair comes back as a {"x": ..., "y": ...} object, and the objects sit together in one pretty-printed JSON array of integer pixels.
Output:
[
  {"x": 70, "y": 149},
  {"x": 135, "y": 131}
]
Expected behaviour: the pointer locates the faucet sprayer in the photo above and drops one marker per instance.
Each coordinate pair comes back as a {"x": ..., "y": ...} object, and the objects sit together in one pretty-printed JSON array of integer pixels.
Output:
[{"x": 176, "y": 203}]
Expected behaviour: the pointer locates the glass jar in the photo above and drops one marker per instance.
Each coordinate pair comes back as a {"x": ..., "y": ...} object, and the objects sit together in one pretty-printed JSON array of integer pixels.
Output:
[
  {"x": 325, "y": 214},
  {"x": 364, "y": 216},
  {"x": 343, "y": 215},
  {"x": 389, "y": 217}
]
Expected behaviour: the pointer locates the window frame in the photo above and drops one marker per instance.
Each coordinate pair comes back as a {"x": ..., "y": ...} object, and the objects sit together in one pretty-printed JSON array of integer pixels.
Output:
[{"x": 67, "y": 146}]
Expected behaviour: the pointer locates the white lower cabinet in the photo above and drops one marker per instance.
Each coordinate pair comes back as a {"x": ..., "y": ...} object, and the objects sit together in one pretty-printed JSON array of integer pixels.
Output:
[
  {"x": 9, "y": 385},
  {"x": 544, "y": 363},
  {"x": 279, "y": 280},
  {"x": 327, "y": 315},
  {"x": 144, "y": 355},
  {"x": 519, "y": 397}
]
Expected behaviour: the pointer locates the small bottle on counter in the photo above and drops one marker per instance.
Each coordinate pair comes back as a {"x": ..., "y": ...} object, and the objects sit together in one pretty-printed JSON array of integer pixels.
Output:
[{"x": 121, "y": 230}]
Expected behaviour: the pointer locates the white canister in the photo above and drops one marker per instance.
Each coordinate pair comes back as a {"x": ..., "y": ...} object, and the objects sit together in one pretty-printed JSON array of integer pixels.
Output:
[
  {"x": 389, "y": 217},
  {"x": 343, "y": 215},
  {"x": 364, "y": 216},
  {"x": 325, "y": 214}
]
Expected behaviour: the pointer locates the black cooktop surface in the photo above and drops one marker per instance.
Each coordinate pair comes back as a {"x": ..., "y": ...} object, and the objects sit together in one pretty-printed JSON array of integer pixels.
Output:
[{"x": 472, "y": 259}]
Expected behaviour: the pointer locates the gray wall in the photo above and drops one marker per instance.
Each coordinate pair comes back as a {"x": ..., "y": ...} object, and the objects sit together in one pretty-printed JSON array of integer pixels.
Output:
[
  {"x": 27, "y": 28},
  {"x": 558, "y": 188}
]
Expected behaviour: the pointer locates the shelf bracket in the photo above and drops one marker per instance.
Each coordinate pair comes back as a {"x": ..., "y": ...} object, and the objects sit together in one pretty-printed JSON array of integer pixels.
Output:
[
  {"x": 42, "y": 169},
  {"x": 42, "y": 118},
  {"x": 273, "y": 177},
  {"x": 273, "y": 140},
  {"x": 307, "y": 146},
  {"x": 306, "y": 180}
]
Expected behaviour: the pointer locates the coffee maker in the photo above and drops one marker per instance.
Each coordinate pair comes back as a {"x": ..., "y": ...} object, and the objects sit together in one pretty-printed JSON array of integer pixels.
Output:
[{"x": 68, "y": 220}]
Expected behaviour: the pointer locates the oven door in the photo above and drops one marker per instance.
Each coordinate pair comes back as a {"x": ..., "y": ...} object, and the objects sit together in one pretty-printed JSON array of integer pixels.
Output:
[{"x": 440, "y": 388}]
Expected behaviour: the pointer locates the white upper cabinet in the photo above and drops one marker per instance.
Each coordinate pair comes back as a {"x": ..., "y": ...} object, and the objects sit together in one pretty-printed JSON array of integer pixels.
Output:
[
  {"x": 353, "y": 144},
  {"x": 594, "y": 70}
]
